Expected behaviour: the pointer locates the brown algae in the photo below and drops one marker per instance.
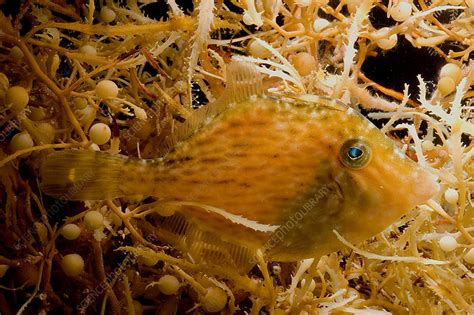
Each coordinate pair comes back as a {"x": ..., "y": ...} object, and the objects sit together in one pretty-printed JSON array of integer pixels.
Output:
[{"x": 103, "y": 81}]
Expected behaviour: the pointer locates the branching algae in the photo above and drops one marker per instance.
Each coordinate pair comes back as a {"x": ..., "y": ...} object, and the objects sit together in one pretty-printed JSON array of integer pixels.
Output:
[{"x": 199, "y": 157}]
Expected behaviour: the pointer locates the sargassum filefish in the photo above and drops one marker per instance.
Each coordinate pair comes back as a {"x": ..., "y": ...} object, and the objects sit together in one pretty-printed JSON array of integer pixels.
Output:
[{"x": 251, "y": 171}]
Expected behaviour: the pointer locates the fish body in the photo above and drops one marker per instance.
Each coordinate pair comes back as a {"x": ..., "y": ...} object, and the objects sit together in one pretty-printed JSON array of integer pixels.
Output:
[{"x": 279, "y": 174}]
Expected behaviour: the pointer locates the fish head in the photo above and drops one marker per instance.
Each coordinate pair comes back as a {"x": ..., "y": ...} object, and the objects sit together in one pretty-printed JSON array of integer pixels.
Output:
[
  {"x": 363, "y": 183},
  {"x": 377, "y": 182}
]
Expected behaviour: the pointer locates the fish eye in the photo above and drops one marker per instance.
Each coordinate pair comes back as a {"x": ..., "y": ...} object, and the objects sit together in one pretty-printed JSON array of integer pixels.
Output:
[{"x": 355, "y": 154}]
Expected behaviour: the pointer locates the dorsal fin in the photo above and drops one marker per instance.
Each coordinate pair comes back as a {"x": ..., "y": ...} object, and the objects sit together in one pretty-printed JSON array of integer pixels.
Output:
[{"x": 243, "y": 82}]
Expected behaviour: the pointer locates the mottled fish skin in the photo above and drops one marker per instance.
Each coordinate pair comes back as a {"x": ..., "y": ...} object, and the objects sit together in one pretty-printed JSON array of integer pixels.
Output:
[{"x": 259, "y": 158}]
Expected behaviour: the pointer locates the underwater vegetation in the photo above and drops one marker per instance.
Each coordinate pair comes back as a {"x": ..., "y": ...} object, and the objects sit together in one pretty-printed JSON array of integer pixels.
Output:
[{"x": 247, "y": 157}]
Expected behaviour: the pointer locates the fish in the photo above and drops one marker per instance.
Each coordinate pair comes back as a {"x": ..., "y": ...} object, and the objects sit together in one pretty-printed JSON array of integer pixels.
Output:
[{"x": 258, "y": 172}]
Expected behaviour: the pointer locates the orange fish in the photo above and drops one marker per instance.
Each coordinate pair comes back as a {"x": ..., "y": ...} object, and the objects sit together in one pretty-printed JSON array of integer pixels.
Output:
[{"x": 252, "y": 171}]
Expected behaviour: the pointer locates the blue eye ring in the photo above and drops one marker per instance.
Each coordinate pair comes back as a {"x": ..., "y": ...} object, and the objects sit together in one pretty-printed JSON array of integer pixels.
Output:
[{"x": 355, "y": 154}]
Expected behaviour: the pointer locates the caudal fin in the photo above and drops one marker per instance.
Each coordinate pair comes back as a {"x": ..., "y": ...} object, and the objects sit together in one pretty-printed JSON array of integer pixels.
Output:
[{"x": 82, "y": 175}]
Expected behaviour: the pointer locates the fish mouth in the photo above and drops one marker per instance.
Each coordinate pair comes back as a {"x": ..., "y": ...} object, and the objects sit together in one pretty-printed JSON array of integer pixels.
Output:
[{"x": 338, "y": 189}]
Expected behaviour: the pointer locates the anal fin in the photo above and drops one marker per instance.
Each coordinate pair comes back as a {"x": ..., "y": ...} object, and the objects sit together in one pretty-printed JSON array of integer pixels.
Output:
[{"x": 204, "y": 247}]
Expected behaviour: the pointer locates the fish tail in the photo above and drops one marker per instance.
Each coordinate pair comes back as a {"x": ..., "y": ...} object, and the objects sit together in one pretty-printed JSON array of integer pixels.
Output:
[{"x": 82, "y": 175}]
